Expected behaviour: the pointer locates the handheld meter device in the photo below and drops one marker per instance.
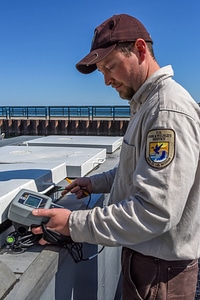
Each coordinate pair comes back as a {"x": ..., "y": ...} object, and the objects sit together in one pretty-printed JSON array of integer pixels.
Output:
[
  {"x": 20, "y": 213},
  {"x": 20, "y": 210}
]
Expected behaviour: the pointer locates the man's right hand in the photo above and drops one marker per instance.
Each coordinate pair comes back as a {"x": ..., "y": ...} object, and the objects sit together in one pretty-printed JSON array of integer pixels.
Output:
[{"x": 80, "y": 186}]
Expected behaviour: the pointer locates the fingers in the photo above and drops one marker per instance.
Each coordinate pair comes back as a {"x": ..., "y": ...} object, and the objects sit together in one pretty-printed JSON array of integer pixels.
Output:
[
  {"x": 43, "y": 242},
  {"x": 70, "y": 188},
  {"x": 43, "y": 212},
  {"x": 82, "y": 187},
  {"x": 40, "y": 213},
  {"x": 58, "y": 220},
  {"x": 80, "y": 193},
  {"x": 38, "y": 230}
]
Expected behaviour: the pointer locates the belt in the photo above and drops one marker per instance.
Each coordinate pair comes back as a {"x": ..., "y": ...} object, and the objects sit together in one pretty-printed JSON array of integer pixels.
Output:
[{"x": 161, "y": 261}]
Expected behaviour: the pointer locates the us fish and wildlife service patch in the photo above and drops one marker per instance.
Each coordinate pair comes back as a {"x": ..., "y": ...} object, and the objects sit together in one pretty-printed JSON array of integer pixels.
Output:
[{"x": 160, "y": 147}]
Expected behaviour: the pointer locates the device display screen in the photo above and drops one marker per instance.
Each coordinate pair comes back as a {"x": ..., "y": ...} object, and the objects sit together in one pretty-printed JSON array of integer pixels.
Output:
[{"x": 33, "y": 201}]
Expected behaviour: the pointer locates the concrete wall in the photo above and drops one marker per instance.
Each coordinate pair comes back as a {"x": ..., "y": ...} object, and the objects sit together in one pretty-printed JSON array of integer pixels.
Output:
[{"x": 15, "y": 127}]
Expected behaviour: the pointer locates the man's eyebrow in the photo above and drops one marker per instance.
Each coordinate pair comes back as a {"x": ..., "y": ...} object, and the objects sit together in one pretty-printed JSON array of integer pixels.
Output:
[{"x": 104, "y": 66}]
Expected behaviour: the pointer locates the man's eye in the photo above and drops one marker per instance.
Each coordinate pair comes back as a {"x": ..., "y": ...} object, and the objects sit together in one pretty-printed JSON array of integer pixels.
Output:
[{"x": 109, "y": 68}]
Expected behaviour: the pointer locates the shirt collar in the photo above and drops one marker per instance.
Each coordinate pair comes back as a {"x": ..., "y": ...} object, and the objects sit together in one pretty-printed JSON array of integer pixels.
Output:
[{"x": 145, "y": 89}]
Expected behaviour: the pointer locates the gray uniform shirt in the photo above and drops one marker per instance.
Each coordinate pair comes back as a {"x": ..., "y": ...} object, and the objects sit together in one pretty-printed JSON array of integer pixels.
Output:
[{"x": 154, "y": 205}]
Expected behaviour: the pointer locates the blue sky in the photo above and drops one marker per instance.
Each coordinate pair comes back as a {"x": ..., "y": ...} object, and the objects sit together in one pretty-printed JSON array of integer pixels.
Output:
[{"x": 42, "y": 40}]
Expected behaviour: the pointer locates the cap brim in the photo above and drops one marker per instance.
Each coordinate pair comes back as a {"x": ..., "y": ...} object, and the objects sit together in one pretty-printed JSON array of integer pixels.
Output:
[{"x": 88, "y": 63}]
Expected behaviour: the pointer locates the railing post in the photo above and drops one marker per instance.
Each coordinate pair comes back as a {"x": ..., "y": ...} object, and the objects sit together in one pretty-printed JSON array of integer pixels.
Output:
[{"x": 113, "y": 113}]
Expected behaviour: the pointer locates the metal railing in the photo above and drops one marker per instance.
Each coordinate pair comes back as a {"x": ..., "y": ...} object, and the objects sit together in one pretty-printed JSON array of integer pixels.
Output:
[{"x": 69, "y": 112}]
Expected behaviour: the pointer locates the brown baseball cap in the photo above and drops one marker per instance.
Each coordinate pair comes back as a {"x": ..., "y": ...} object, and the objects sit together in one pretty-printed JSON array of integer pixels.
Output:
[{"x": 119, "y": 28}]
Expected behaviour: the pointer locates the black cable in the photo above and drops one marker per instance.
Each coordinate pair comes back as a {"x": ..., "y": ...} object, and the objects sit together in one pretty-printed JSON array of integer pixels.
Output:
[
  {"x": 18, "y": 241},
  {"x": 76, "y": 252},
  {"x": 75, "y": 249},
  {"x": 93, "y": 256}
]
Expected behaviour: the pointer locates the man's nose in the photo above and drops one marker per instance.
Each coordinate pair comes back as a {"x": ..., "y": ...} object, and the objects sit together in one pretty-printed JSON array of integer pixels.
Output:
[{"x": 108, "y": 79}]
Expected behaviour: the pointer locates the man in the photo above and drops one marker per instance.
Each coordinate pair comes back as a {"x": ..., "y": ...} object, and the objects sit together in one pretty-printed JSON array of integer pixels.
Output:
[{"x": 154, "y": 202}]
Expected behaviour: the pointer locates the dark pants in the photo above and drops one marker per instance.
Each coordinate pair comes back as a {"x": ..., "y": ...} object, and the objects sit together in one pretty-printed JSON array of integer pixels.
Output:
[{"x": 146, "y": 277}]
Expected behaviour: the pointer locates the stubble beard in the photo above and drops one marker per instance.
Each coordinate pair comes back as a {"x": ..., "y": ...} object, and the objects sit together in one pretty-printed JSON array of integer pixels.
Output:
[{"x": 128, "y": 94}]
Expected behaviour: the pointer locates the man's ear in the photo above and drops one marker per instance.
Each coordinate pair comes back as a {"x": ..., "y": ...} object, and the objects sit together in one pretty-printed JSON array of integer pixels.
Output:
[{"x": 141, "y": 47}]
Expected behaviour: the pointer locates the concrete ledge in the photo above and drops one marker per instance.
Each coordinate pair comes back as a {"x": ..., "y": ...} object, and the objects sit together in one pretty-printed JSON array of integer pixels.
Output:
[
  {"x": 8, "y": 279},
  {"x": 37, "y": 277}
]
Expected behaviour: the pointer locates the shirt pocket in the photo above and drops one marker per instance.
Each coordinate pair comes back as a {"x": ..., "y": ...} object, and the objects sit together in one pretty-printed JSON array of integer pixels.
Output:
[{"x": 127, "y": 163}]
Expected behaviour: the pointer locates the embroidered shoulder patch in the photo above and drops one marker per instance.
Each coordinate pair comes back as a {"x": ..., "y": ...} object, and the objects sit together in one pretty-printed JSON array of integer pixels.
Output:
[{"x": 160, "y": 147}]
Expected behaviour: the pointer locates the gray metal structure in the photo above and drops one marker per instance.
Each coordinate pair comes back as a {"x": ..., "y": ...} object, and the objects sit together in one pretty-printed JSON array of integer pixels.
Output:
[
  {"x": 48, "y": 272},
  {"x": 110, "y": 143},
  {"x": 79, "y": 160}
]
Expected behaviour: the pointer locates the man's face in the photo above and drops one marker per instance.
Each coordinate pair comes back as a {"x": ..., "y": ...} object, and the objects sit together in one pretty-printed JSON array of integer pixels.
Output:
[{"x": 124, "y": 73}]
